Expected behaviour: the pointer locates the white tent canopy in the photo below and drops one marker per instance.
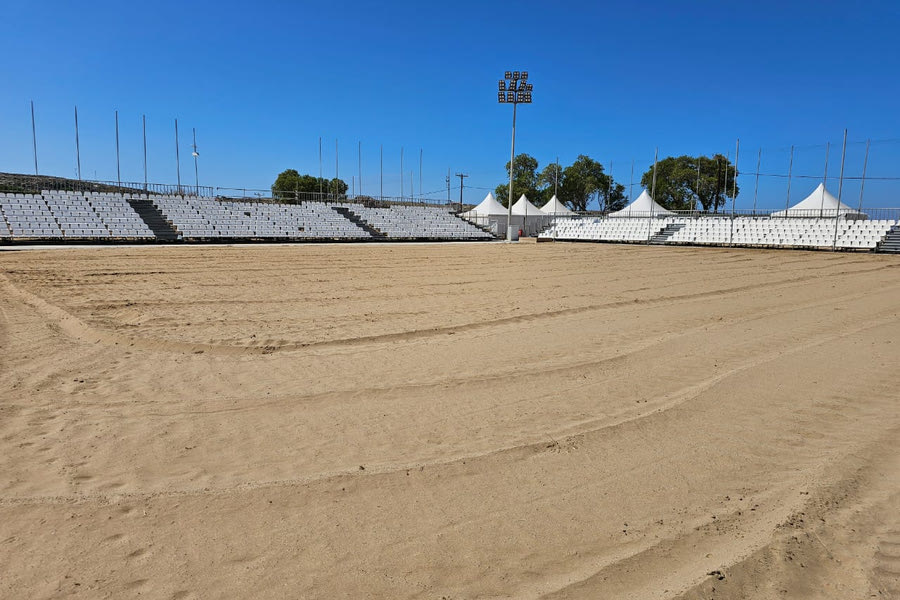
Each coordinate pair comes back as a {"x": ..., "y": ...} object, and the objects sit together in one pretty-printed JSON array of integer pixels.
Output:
[
  {"x": 525, "y": 208},
  {"x": 642, "y": 206},
  {"x": 488, "y": 207},
  {"x": 555, "y": 207},
  {"x": 821, "y": 203}
]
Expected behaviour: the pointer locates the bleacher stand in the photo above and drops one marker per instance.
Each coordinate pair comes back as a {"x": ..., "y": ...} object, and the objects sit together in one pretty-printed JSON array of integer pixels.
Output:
[
  {"x": 718, "y": 231},
  {"x": 418, "y": 222},
  {"x": 75, "y": 216},
  {"x": 118, "y": 216},
  {"x": 619, "y": 229},
  {"x": 208, "y": 218},
  {"x": 28, "y": 216}
]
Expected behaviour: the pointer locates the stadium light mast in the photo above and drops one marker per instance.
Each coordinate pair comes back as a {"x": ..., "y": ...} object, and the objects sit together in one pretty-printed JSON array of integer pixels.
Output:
[{"x": 513, "y": 89}]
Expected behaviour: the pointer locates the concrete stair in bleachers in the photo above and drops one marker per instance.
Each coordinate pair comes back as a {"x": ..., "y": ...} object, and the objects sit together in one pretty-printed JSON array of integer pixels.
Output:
[
  {"x": 891, "y": 241},
  {"x": 358, "y": 221},
  {"x": 663, "y": 236},
  {"x": 154, "y": 219}
]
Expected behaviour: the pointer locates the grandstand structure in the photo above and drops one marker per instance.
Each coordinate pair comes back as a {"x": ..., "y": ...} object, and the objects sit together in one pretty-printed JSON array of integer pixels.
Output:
[
  {"x": 54, "y": 216},
  {"x": 770, "y": 231}
]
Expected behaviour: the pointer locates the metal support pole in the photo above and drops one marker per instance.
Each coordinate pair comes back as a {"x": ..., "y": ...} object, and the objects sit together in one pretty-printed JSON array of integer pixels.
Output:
[
  {"x": 359, "y": 159},
  {"x": 34, "y": 138},
  {"x": 608, "y": 185},
  {"x": 320, "y": 168},
  {"x": 77, "y": 145},
  {"x": 420, "y": 172},
  {"x": 144, "y": 121},
  {"x": 840, "y": 192},
  {"x": 556, "y": 180},
  {"x": 631, "y": 183},
  {"x": 652, "y": 197},
  {"x": 196, "y": 155},
  {"x": 336, "y": 178},
  {"x": 737, "y": 152},
  {"x": 177, "y": 157},
  {"x": 401, "y": 172},
  {"x": 118, "y": 168},
  {"x": 862, "y": 185},
  {"x": 824, "y": 180},
  {"x": 787, "y": 202},
  {"x": 512, "y": 168},
  {"x": 756, "y": 187},
  {"x": 381, "y": 171}
]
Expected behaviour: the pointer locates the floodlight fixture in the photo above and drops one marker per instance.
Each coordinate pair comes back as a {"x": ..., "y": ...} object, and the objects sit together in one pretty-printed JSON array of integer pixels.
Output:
[{"x": 514, "y": 90}]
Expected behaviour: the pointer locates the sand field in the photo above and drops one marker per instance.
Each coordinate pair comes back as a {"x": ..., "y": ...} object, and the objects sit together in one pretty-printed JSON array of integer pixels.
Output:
[{"x": 449, "y": 422}]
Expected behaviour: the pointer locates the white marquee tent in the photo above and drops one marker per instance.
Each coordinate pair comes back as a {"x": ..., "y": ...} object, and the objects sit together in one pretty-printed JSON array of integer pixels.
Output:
[
  {"x": 488, "y": 207},
  {"x": 489, "y": 213},
  {"x": 556, "y": 208},
  {"x": 524, "y": 207},
  {"x": 643, "y": 206},
  {"x": 821, "y": 203}
]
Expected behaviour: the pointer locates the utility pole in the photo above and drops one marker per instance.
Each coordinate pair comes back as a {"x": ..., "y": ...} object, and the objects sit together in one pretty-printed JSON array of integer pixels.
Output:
[
  {"x": 448, "y": 187},
  {"x": 461, "y": 176}
]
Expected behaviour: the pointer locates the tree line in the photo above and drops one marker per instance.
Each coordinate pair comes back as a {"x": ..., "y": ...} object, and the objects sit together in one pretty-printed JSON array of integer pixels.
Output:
[
  {"x": 682, "y": 183},
  {"x": 290, "y": 183}
]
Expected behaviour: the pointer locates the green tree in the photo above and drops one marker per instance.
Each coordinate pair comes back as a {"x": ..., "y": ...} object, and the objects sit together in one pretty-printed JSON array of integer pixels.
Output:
[
  {"x": 291, "y": 185},
  {"x": 684, "y": 181},
  {"x": 550, "y": 179},
  {"x": 585, "y": 180},
  {"x": 525, "y": 181}
]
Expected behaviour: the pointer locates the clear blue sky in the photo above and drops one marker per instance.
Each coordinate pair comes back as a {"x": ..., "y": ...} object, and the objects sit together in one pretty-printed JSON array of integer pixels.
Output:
[{"x": 262, "y": 81}]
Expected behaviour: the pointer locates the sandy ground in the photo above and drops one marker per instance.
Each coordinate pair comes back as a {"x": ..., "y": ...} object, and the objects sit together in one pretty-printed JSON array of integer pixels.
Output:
[{"x": 449, "y": 421}]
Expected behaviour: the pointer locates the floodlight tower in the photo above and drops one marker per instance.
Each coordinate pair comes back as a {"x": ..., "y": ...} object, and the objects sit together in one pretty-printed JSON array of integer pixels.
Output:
[{"x": 513, "y": 89}]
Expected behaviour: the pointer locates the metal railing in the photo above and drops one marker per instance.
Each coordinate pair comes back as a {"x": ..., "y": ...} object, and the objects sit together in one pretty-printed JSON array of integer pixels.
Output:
[{"x": 35, "y": 184}]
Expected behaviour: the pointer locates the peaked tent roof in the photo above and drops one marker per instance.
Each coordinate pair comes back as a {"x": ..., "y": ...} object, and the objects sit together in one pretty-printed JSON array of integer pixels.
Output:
[
  {"x": 488, "y": 206},
  {"x": 642, "y": 206},
  {"x": 820, "y": 203},
  {"x": 555, "y": 207},
  {"x": 523, "y": 207}
]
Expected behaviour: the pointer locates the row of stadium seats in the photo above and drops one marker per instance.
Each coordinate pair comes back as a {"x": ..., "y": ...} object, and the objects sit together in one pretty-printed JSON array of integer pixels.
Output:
[
  {"x": 105, "y": 216},
  {"x": 411, "y": 222},
  {"x": 741, "y": 231},
  {"x": 69, "y": 215}
]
